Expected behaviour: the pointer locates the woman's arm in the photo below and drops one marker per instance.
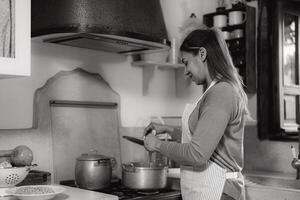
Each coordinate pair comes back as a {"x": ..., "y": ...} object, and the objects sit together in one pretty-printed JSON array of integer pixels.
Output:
[
  {"x": 216, "y": 111},
  {"x": 176, "y": 133}
]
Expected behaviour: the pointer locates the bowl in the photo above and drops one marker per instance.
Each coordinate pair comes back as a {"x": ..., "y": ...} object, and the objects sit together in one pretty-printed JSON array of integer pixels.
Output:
[
  {"x": 12, "y": 176},
  {"x": 36, "y": 192}
]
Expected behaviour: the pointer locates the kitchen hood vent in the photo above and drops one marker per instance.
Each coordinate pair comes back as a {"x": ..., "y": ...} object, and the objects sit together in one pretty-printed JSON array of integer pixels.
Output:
[{"x": 119, "y": 26}]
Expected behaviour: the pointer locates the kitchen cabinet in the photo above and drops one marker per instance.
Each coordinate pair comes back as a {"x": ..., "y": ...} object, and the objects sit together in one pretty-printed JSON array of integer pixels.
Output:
[
  {"x": 270, "y": 187},
  {"x": 243, "y": 47},
  {"x": 257, "y": 192},
  {"x": 15, "y": 39}
]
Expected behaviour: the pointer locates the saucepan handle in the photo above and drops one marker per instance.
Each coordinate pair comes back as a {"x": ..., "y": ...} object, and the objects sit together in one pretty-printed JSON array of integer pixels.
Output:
[{"x": 113, "y": 162}]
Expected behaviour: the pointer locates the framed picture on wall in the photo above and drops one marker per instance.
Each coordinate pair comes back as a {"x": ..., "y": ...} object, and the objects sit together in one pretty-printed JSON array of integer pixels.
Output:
[{"x": 15, "y": 38}]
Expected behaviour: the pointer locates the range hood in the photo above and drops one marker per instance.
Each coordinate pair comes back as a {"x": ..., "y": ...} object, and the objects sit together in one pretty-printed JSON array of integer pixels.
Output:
[{"x": 119, "y": 26}]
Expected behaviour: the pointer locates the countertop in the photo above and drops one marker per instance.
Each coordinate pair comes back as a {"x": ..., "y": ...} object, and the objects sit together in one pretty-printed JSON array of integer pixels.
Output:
[
  {"x": 269, "y": 174},
  {"x": 72, "y": 193}
]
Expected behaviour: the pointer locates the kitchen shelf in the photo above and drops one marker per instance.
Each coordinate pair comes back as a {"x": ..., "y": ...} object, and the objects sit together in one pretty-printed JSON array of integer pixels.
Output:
[
  {"x": 242, "y": 50},
  {"x": 233, "y": 27},
  {"x": 163, "y": 65},
  {"x": 149, "y": 66},
  {"x": 226, "y": 11}
]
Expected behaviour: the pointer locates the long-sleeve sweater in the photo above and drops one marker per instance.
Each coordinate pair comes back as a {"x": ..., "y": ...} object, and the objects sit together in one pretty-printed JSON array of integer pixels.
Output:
[{"x": 217, "y": 127}]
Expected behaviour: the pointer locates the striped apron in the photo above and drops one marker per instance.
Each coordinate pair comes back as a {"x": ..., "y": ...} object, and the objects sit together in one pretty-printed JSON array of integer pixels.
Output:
[{"x": 206, "y": 183}]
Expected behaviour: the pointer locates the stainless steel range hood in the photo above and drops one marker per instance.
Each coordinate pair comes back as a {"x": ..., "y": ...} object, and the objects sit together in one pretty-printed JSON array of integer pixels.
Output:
[{"x": 120, "y": 26}]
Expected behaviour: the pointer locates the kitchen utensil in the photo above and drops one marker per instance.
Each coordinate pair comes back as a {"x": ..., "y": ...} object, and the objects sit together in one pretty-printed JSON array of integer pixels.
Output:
[
  {"x": 36, "y": 192},
  {"x": 154, "y": 157},
  {"x": 237, "y": 17},
  {"x": 226, "y": 35},
  {"x": 220, "y": 20},
  {"x": 12, "y": 176},
  {"x": 133, "y": 139},
  {"x": 150, "y": 158},
  {"x": 293, "y": 152},
  {"x": 19, "y": 156},
  {"x": 174, "y": 51},
  {"x": 141, "y": 142},
  {"x": 140, "y": 176},
  {"x": 93, "y": 171},
  {"x": 237, "y": 33}
]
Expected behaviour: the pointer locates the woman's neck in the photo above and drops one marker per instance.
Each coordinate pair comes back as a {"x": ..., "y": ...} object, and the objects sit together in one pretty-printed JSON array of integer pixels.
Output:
[{"x": 208, "y": 80}]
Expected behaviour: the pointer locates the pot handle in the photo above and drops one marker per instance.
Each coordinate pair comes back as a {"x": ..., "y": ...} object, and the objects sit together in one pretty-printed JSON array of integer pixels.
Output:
[
  {"x": 129, "y": 167},
  {"x": 113, "y": 162},
  {"x": 92, "y": 152}
]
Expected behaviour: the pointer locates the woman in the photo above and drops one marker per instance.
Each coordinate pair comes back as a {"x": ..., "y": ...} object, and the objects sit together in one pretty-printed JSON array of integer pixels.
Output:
[{"x": 211, "y": 149}]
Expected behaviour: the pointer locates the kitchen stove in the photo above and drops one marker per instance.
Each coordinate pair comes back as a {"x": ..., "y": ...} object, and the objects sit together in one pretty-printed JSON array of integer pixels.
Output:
[{"x": 124, "y": 193}]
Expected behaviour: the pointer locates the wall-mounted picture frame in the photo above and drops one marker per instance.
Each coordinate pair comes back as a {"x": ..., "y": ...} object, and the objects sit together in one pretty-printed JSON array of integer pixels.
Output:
[
  {"x": 7, "y": 28},
  {"x": 15, "y": 38}
]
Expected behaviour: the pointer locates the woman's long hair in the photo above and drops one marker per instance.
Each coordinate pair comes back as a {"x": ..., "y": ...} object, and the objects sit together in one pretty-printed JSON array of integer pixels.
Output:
[{"x": 219, "y": 61}]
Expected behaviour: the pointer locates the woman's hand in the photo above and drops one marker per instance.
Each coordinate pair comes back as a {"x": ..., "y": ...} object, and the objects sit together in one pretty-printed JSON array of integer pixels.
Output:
[
  {"x": 159, "y": 128},
  {"x": 152, "y": 143}
]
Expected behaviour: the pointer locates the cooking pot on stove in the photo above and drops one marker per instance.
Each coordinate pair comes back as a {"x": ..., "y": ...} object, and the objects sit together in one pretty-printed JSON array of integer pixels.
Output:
[
  {"x": 93, "y": 171},
  {"x": 142, "y": 176}
]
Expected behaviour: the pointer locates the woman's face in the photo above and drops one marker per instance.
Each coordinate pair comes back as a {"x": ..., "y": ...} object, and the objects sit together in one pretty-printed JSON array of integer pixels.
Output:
[{"x": 195, "y": 68}]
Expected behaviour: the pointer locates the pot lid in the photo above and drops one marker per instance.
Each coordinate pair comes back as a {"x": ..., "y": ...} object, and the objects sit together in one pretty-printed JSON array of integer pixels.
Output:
[{"x": 92, "y": 156}]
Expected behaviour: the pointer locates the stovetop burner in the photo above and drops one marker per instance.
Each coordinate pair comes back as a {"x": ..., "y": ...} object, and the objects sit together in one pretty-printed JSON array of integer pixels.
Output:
[{"x": 124, "y": 193}]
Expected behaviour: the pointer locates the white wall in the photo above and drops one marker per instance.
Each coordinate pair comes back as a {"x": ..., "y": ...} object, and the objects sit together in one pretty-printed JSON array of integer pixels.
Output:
[{"x": 16, "y": 95}]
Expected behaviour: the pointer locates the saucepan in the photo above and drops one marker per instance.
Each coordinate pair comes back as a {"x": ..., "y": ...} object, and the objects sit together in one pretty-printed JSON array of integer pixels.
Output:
[
  {"x": 93, "y": 171},
  {"x": 145, "y": 177}
]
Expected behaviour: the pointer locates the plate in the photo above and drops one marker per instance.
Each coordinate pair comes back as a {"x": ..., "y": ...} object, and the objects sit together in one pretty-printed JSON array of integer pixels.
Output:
[{"x": 36, "y": 192}]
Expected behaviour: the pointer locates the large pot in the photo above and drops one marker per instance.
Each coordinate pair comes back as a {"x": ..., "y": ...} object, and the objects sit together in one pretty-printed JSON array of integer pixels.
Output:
[
  {"x": 141, "y": 176},
  {"x": 94, "y": 171}
]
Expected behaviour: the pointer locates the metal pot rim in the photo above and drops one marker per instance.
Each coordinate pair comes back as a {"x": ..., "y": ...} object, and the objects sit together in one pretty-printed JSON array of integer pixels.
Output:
[
  {"x": 142, "y": 166},
  {"x": 94, "y": 156}
]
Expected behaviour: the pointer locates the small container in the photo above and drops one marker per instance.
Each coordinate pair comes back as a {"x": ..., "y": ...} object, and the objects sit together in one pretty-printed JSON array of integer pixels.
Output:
[
  {"x": 220, "y": 20},
  {"x": 237, "y": 33},
  {"x": 226, "y": 35},
  {"x": 174, "y": 52}
]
